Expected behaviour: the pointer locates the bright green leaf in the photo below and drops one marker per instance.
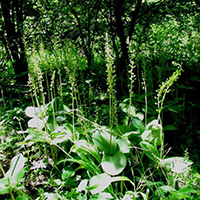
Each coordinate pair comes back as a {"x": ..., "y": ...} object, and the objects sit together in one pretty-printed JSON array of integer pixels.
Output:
[
  {"x": 37, "y": 136},
  {"x": 124, "y": 145},
  {"x": 51, "y": 124},
  {"x": 176, "y": 164},
  {"x": 167, "y": 188},
  {"x": 115, "y": 164},
  {"x": 51, "y": 196},
  {"x": 104, "y": 196},
  {"x": 18, "y": 177},
  {"x": 152, "y": 132},
  {"x": 15, "y": 173},
  {"x": 22, "y": 197},
  {"x": 60, "y": 119},
  {"x": 36, "y": 122},
  {"x": 60, "y": 137},
  {"x": 137, "y": 125},
  {"x": 99, "y": 183},
  {"x": 147, "y": 136},
  {"x": 140, "y": 116},
  {"x": 4, "y": 186},
  {"x": 32, "y": 111},
  {"x": 105, "y": 142},
  {"x": 67, "y": 173},
  {"x": 187, "y": 190},
  {"x": 82, "y": 186}
]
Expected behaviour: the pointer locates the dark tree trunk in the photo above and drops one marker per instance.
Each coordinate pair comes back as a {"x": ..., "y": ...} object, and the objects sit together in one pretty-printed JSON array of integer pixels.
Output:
[
  {"x": 122, "y": 88},
  {"x": 122, "y": 68},
  {"x": 134, "y": 18},
  {"x": 13, "y": 27}
]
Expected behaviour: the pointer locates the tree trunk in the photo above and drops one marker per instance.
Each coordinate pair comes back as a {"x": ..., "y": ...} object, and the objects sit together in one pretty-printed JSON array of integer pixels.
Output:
[
  {"x": 134, "y": 18},
  {"x": 122, "y": 86},
  {"x": 13, "y": 27}
]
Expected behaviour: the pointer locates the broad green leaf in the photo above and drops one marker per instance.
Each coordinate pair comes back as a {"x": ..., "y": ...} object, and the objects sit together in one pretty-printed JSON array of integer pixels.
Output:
[
  {"x": 104, "y": 196},
  {"x": 187, "y": 190},
  {"x": 121, "y": 129},
  {"x": 99, "y": 183},
  {"x": 173, "y": 191},
  {"x": 131, "y": 132},
  {"x": 56, "y": 182},
  {"x": 67, "y": 173},
  {"x": 167, "y": 188},
  {"x": 51, "y": 124},
  {"x": 60, "y": 119},
  {"x": 17, "y": 163},
  {"x": 105, "y": 142},
  {"x": 137, "y": 125},
  {"x": 124, "y": 145},
  {"x": 37, "y": 136},
  {"x": 115, "y": 164},
  {"x": 16, "y": 172},
  {"x": 127, "y": 108},
  {"x": 60, "y": 137},
  {"x": 128, "y": 197},
  {"x": 182, "y": 196},
  {"x": 82, "y": 186},
  {"x": 140, "y": 116},
  {"x": 153, "y": 125},
  {"x": 51, "y": 196},
  {"x": 67, "y": 109},
  {"x": 4, "y": 186},
  {"x": 84, "y": 147},
  {"x": 134, "y": 137},
  {"x": 32, "y": 111},
  {"x": 22, "y": 197},
  {"x": 131, "y": 110},
  {"x": 144, "y": 196},
  {"x": 152, "y": 132},
  {"x": 16, "y": 179},
  {"x": 61, "y": 134},
  {"x": 176, "y": 164},
  {"x": 147, "y": 136},
  {"x": 36, "y": 122},
  {"x": 81, "y": 143}
]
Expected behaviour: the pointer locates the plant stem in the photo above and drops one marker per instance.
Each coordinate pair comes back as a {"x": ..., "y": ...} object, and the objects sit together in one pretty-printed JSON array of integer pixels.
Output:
[
  {"x": 2, "y": 170},
  {"x": 12, "y": 196},
  {"x": 145, "y": 98}
]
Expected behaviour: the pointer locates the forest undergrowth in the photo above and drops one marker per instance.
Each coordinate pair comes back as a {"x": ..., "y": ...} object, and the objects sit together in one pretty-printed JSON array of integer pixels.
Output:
[{"x": 70, "y": 137}]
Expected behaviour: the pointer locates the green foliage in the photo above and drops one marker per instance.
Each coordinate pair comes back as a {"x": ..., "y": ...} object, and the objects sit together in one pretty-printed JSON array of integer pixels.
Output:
[
  {"x": 13, "y": 177},
  {"x": 89, "y": 159},
  {"x": 80, "y": 138}
]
